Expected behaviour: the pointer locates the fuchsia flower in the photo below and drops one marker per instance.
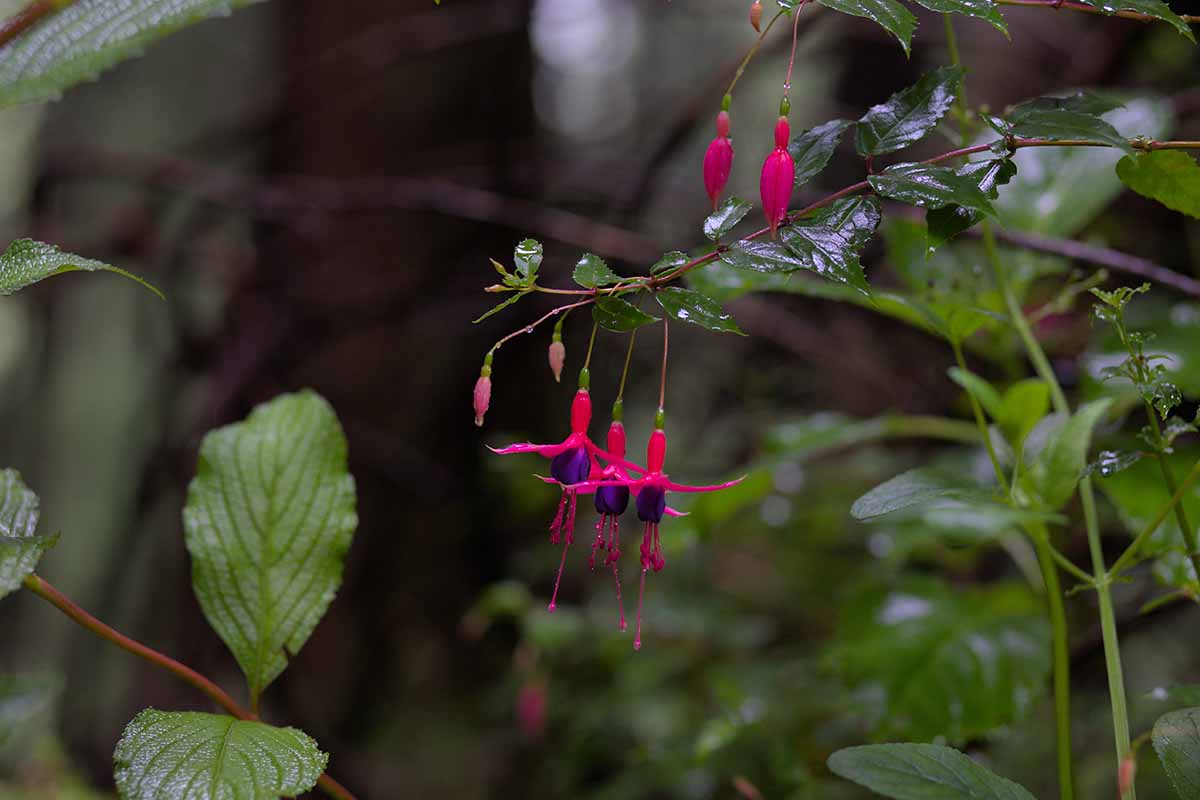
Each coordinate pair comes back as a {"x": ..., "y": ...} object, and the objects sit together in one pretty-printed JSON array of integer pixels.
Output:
[
  {"x": 778, "y": 176},
  {"x": 612, "y": 498},
  {"x": 718, "y": 161}
]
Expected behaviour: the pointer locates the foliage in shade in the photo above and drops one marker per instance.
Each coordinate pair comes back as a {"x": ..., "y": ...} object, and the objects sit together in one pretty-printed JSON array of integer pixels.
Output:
[
  {"x": 189, "y": 755},
  {"x": 889, "y": 14},
  {"x": 908, "y": 116},
  {"x": 1063, "y": 118},
  {"x": 20, "y": 546},
  {"x": 619, "y": 316},
  {"x": 1168, "y": 176},
  {"x": 812, "y": 149},
  {"x": 26, "y": 262},
  {"x": 721, "y": 221},
  {"x": 922, "y": 772},
  {"x": 947, "y": 222},
  {"x": 269, "y": 518},
  {"x": 79, "y": 42},
  {"x": 1152, "y": 8},
  {"x": 699, "y": 309},
  {"x": 931, "y": 186},
  {"x": 1177, "y": 741},
  {"x": 981, "y": 9}
]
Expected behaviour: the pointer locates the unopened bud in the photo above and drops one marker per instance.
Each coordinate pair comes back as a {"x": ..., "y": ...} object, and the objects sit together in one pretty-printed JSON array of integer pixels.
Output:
[
  {"x": 1126, "y": 774},
  {"x": 756, "y": 15},
  {"x": 483, "y": 390},
  {"x": 778, "y": 178},
  {"x": 557, "y": 355},
  {"x": 718, "y": 160}
]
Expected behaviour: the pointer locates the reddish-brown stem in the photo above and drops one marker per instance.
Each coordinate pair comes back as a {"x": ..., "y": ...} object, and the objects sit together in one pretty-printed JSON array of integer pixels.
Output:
[
  {"x": 787, "y": 82},
  {"x": 25, "y": 19},
  {"x": 42, "y": 588},
  {"x": 1071, "y": 6}
]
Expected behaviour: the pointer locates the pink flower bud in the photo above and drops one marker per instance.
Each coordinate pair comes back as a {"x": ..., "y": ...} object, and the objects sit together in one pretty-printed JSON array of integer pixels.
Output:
[
  {"x": 756, "y": 15},
  {"x": 557, "y": 355},
  {"x": 531, "y": 709},
  {"x": 778, "y": 177},
  {"x": 1126, "y": 775},
  {"x": 483, "y": 397},
  {"x": 718, "y": 161}
]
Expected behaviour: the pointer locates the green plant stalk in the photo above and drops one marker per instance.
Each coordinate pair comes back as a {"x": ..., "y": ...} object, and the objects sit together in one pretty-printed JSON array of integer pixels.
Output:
[
  {"x": 1087, "y": 498},
  {"x": 1189, "y": 533},
  {"x": 981, "y": 423},
  {"x": 1132, "y": 550},
  {"x": 1061, "y": 658},
  {"x": 42, "y": 588}
]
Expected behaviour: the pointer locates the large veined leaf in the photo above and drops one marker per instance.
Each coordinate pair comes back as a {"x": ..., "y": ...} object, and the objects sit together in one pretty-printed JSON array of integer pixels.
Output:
[
  {"x": 909, "y": 115},
  {"x": 268, "y": 521},
  {"x": 981, "y": 9},
  {"x": 929, "y": 660},
  {"x": 922, "y": 772},
  {"x": 193, "y": 756},
  {"x": 615, "y": 314},
  {"x": 1055, "y": 118},
  {"x": 697, "y": 308},
  {"x": 946, "y": 223},
  {"x": 812, "y": 149},
  {"x": 891, "y": 15},
  {"x": 20, "y": 546},
  {"x": 1168, "y": 176},
  {"x": 931, "y": 186},
  {"x": 1177, "y": 742},
  {"x": 829, "y": 240},
  {"x": 26, "y": 262},
  {"x": 89, "y": 36}
]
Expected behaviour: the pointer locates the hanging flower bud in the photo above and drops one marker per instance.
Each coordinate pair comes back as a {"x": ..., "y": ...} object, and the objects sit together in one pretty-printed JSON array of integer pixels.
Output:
[
  {"x": 718, "y": 161},
  {"x": 756, "y": 15},
  {"x": 558, "y": 352},
  {"x": 778, "y": 177},
  {"x": 483, "y": 390}
]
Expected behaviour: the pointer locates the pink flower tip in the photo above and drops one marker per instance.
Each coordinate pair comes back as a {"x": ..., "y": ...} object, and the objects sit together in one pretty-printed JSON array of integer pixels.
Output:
[
  {"x": 718, "y": 160},
  {"x": 557, "y": 355},
  {"x": 778, "y": 177},
  {"x": 483, "y": 398}
]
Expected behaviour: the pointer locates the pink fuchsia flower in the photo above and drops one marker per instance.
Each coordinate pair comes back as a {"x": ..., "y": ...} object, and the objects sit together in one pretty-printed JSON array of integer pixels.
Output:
[
  {"x": 718, "y": 160},
  {"x": 612, "y": 498},
  {"x": 778, "y": 177}
]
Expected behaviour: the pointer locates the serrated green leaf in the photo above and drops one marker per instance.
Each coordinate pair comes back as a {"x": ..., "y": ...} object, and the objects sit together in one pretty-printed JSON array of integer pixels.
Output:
[
  {"x": 21, "y": 699},
  {"x": 1050, "y": 480},
  {"x": 1168, "y": 176},
  {"x": 1177, "y": 741},
  {"x": 812, "y": 149},
  {"x": 919, "y": 487},
  {"x": 614, "y": 314},
  {"x": 87, "y": 37},
  {"x": 981, "y": 9},
  {"x": 930, "y": 186},
  {"x": 829, "y": 240},
  {"x": 26, "y": 262},
  {"x": 766, "y": 257},
  {"x": 922, "y": 772},
  {"x": 269, "y": 518},
  {"x": 1058, "y": 118},
  {"x": 591, "y": 271},
  {"x": 909, "y": 115},
  {"x": 721, "y": 221},
  {"x": 891, "y": 15},
  {"x": 20, "y": 546},
  {"x": 696, "y": 308},
  {"x": 1152, "y": 8},
  {"x": 187, "y": 754},
  {"x": 669, "y": 261},
  {"x": 943, "y": 224},
  {"x": 527, "y": 257}
]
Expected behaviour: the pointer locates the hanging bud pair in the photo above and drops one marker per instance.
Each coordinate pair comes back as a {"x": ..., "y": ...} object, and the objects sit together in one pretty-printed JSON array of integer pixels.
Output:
[{"x": 718, "y": 161}]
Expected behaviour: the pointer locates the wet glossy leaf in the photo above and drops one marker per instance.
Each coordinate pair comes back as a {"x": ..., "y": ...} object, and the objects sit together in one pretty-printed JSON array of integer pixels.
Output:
[
  {"x": 1051, "y": 477},
  {"x": 193, "y": 755},
  {"x": 591, "y": 271},
  {"x": 981, "y": 9},
  {"x": 1177, "y": 741},
  {"x": 1152, "y": 8},
  {"x": 921, "y": 487},
  {"x": 696, "y": 308},
  {"x": 21, "y": 699},
  {"x": 946, "y": 223},
  {"x": 527, "y": 257},
  {"x": 931, "y": 660},
  {"x": 1110, "y": 462},
  {"x": 812, "y": 149},
  {"x": 829, "y": 240},
  {"x": 930, "y": 186},
  {"x": 269, "y": 518},
  {"x": 1074, "y": 117},
  {"x": 669, "y": 261},
  {"x": 760, "y": 256},
  {"x": 1168, "y": 176},
  {"x": 26, "y": 262},
  {"x": 20, "y": 546},
  {"x": 87, "y": 37},
  {"x": 891, "y": 15},
  {"x": 922, "y": 772},
  {"x": 909, "y": 115},
  {"x": 614, "y": 314},
  {"x": 721, "y": 221}
]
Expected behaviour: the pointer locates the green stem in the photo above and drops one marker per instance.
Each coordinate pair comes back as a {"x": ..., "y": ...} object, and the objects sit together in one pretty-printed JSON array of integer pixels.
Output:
[
  {"x": 1189, "y": 533},
  {"x": 1087, "y": 498},
  {"x": 1062, "y": 662},
  {"x": 1131, "y": 552},
  {"x": 753, "y": 51},
  {"x": 981, "y": 422}
]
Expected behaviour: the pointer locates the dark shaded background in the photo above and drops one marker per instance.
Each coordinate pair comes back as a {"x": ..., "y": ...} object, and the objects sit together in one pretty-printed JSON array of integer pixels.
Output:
[{"x": 318, "y": 187}]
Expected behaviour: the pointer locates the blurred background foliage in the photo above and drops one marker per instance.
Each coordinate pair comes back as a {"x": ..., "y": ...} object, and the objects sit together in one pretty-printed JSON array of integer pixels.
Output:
[{"x": 318, "y": 186}]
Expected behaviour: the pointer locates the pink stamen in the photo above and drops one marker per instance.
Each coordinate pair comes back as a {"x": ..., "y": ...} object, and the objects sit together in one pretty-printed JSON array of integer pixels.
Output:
[
  {"x": 556, "y": 524},
  {"x": 598, "y": 543},
  {"x": 558, "y": 578},
  {"x": 614, "y": 557},
  {"x": 637, "y": 637}
]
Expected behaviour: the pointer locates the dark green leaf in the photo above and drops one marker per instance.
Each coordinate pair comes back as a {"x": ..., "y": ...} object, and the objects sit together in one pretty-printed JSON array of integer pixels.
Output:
[
  {"x": 20, "y": 546},
  {"x": 1050, "y": 480},
  {"x": 1074, "y": 117},
  {"x": 812, "y": 149},
  {"x": 922, "y": 772},
  {"x": 188, "y": 754},
  {"x": 85, "y": 38},
  {"x": 614, "y": 314},
  {"x": 769, "y": 257},
  {"x": 696, "y": 308},
  {"x": 721, "y": 221},
  {"x": 982, "y": 9},
  {"x": 591, "y": 271},
  {"x": 921, "y": 487},
  {"x": 930, "y": 186},
  {"x": 26, "y": 262},
  {"x": 528, "y": 258},
  {"x": 269, "y": 518},
  {"x": 829, "y": 240},
  {"x": 1152, "y": 8},
  {"x": 669, "y": 261},
  {"x": 1168, "y": 176},
  {"x": 891, "y": 15},
  {"x": 909, "y": 115},
  {"x": 946, "y": 223},
  {"x": 1177, "y": 742}
]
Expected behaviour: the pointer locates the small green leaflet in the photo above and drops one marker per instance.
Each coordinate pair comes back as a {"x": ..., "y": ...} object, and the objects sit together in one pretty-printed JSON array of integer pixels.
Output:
[
  {"x": 922, "y": 772},
  {"x": 1177, "y": 741},
  {"x": 20, "y": 546},
  {"x": 1074, "y": 117},
  {"x": 696, "y": 308},
  {"x": 528, "y": 258},
  {"x": 721, "y": 221},
  {"x": 982, "y": 9},
  {"x": 1168, "y": 176},
  {"x": 26, "y": 262},
  {"x": 189, "y": 754},
  {"x": 669, "y": 261},
  {"x": 496, "y": 309},
  {"x": 87, "y": 37},
  {"x": 909, "y": 115},
  {"x": 947, "y": 222},
  {"x": 930, "y": 186},
  {"x": 1151, "y": 8},
  {"x": 812, "y": 149},
  {"x": 891, "y": 15},
  {"x": 591, "y": 271},
  {"x": 614, "y": 314}
]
